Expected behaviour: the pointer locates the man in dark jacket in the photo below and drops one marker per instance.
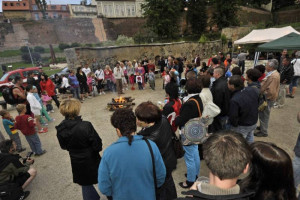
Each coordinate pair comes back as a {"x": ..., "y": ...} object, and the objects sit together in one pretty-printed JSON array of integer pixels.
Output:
[
  {"x": 158, "y": 129},
  {"x": 286, "y": 75},
  {"x": 224, "y": 168},
  {"x": 221, "y": 97},
  {"x": 31, "y": 81},
  {"x": 243, "y": 109}
]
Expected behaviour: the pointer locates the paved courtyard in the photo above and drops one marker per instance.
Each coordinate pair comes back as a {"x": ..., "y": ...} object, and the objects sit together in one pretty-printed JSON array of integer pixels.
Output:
[{"x": 54, "y": 179}]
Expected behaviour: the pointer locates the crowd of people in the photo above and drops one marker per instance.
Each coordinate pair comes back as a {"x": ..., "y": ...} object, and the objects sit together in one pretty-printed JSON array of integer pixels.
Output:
[{"x": 226, "y": 100}]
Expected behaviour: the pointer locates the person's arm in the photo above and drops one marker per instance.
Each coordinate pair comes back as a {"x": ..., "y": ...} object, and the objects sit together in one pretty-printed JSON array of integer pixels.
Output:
[
  {"x": 233, "y": 113},
  {"x": 95, "y": 140},
  {"x": 18, "y": 93},
  {"x": 104, "y": 180},
  {"x": 17, "y": 167},
  {"x": 160, "y": 169},
  {"x": 217, "y": 97}
]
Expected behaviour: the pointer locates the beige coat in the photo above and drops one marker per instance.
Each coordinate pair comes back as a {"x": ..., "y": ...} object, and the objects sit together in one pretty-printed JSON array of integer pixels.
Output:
[{"x": 270, "y": 86}]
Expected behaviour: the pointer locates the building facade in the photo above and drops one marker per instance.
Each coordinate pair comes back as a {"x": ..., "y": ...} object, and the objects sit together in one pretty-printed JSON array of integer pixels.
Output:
[
  {"x": 16, "y": 9},
  {"x": 52, "y": 12},
  {"x": 120, "y": 8},
  {"x": 83, "y": 11}
]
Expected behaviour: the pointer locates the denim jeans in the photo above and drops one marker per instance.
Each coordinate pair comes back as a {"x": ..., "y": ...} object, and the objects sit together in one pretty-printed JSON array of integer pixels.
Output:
[
  {"x": 111, "y": 85},
  {"x": 246, "y": 131},
  {"x": 16, "y": 138},
  {"x": 89, "y": 193},
  {"x": 49, "y": 107},
  {"x": 192, "y": 161},
  {"x": 296, "y": 167},
  {"x": 34, "y": 143},
  {"x": 264, "y": 117},
  {"x": 75, "y": 92}
]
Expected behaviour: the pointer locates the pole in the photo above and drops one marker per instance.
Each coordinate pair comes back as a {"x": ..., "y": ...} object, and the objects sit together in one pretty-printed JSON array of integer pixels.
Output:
[{"x": 30, "y": 54}]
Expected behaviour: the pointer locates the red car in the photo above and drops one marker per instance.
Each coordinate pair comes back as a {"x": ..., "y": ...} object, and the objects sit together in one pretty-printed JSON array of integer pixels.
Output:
[{"x": 6, "y": 79}]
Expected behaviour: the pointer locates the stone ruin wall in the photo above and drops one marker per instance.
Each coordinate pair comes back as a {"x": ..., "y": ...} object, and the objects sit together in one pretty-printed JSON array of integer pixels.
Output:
[{"x": 110, "y": 55}]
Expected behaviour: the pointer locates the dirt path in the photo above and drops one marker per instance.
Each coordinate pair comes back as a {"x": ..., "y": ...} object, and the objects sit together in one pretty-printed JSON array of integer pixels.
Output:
[{"x": 54, "y": 179}]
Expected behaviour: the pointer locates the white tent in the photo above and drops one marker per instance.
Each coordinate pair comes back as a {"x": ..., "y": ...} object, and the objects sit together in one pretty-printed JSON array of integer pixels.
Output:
[{"x": 265, "y": 35}]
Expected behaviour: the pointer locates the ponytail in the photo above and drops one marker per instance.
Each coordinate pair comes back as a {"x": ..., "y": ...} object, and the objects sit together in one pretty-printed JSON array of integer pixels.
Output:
[{"x": 130, "y": 138}]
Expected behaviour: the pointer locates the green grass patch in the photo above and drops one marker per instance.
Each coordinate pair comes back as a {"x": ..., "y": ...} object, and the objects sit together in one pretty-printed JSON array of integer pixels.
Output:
[{"x": 10, "y": 53}]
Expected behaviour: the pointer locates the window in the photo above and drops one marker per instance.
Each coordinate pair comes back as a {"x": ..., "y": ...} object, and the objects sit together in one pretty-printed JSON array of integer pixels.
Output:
[
  {"x": 55, "y": 15},
  {"x": 5, "y": 4},
  {"x": 122, "y": 8},
  {"x": 105, "y": 10},
  {"x": 24, "y": 4},
  {"x": 63, "y": 7},
  {"x": 12, "y": 77},
  {"x": 133, "y": 10},
  {"x": 111, "y": 10},
  {"x": 117, "y": 10},
  {"x": 47, "y": 15},
  {"x": 53, "y": 7},
  {"x": 128, "y": 10},
  {"x": 34, "y": 7},
  {"x": 11, "y": 4},
  {"x": 18, "y": 4},
  {"x": 36, "y": 16}
]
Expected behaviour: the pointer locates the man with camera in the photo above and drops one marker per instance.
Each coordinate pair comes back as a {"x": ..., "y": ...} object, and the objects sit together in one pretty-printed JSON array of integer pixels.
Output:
[{"x": 14, "y": 174}]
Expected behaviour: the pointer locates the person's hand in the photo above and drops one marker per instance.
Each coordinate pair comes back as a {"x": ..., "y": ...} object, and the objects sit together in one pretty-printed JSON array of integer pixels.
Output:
[
  {"x": 194, "y": 186},
  {"x": 284, "y": 81},
  {"x": 30, "y": 161}
]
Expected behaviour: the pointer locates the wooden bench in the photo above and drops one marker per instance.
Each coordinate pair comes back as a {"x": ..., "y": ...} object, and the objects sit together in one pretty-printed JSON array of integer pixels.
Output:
[{"x": 3, "y": 105}]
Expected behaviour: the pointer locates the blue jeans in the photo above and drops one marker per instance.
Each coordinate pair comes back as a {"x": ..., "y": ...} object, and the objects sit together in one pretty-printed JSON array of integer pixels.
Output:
[
  {"x": 296, "y": 167},
  {"x": 89, "y": 193},
  {"x": 192, "y": 161},
  {"x": 294, "y": 82},
  {"x": 111, "y": 85},
  {"x": 34, "y": 143},
  {"x": 75, "y": 92},
  {"x": 246, "y": 131},
  {"x": 15, "y": 137},
  {"x": 264, "y": 117}
]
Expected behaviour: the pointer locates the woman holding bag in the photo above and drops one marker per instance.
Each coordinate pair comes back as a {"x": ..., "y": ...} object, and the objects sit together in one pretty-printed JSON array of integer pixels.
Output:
[{"x": 192, "y": 108}]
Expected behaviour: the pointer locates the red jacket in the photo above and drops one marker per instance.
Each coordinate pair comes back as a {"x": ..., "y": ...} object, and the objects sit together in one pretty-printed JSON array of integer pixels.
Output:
[
  {"x": 48, "y": 86},
  {"x": 25, "y": 124}
]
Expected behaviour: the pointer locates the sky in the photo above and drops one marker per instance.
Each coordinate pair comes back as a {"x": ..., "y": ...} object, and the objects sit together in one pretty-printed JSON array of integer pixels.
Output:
[{"x": 52, "y": 2}]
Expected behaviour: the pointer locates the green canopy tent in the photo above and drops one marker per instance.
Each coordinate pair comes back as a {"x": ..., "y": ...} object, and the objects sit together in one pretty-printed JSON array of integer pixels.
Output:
[{"x": 289, "y": 42}]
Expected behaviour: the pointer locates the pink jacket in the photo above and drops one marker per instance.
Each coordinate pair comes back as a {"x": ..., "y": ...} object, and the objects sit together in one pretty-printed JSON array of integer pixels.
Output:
[{"x": 46, "y": 98}]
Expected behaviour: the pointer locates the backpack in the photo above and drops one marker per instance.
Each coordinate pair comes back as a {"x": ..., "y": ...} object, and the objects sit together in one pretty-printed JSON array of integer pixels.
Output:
[{"x": 8, "y": 96}]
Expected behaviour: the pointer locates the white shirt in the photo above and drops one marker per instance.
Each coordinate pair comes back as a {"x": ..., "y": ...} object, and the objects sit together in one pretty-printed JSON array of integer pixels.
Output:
[
  {"x": 65, "y": 83},
  {"x": 35, "y": 105},
  {"x": 99, "y": 74},
  {"x": 296, "y": 63},
  {"x": 118, "y": 72},
  {"x": 86, "y": 70}
]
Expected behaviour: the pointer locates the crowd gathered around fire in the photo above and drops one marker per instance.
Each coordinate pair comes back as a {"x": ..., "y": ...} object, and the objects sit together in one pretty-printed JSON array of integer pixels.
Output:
[{"x": 210, "y": 113}]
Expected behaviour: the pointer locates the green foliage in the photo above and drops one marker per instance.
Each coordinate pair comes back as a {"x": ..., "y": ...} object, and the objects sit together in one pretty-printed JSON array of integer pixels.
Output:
[
  {"x": 88, "y": 45},
  {"x": 42, "y": 5},
  {"x": 225, "y": 13},
  {"x": 35, "y": 57},
  {"x": 203, "y": 39},
  {"x": 163, "y": 16},
  {"x": 108, "y": 43},
  {"x": 10, "y": 53},
  {"x": 63, "y": 46},
  {"x": 58, "y": 60},
  {"x": 75, "y": 44},
  {"x": 124, "y": 40},
  {"x": 224, "y": 39},
  {"x": 24, "y": 49},
  {"x": 39, "y": 49},
  {"x": 196, "y": 15}
]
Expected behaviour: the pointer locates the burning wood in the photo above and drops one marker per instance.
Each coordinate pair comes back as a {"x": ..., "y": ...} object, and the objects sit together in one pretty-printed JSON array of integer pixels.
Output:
[{"x": 121, "y": 102}]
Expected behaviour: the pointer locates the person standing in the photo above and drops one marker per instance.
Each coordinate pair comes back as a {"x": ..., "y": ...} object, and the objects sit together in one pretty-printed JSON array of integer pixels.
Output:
[
  {"x": 83, "y": 143},
  {"x": 197, "y": 60},
  {"x": 118, "y": 73},
  {"x": 294, "y": 83},
  {"x": 74, "y": 84},
  {"x": 108, "y": 76},
  {"x": 242, "y": 58},
  {"x": 48, "y": 86},
  {"x": 221, "y": 97},
  {"x": 82, "y": 79},
  {"x": 126, "y": 170},
  {"x": 86, "y": 70},
  {"x": 269, "y": 87},
  {"x": 286, "y": 75},
  {"x": 243, "y": 109},
  {"x": 99, "y": 74}
]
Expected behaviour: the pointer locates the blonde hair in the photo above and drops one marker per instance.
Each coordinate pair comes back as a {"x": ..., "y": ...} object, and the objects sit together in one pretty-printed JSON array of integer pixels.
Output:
[
  {"x": 107, "y": 67},
  {"x": 20, "y": 108},
  {"x": 70, "y": 108}
]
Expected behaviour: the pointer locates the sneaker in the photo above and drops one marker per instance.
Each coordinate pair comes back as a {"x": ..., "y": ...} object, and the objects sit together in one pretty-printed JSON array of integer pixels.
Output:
[
  {"x": 43, "y": 152},
  {"x": 21, "y": 150},
  {"x": 52, "y": 111},
  {"x": 52, "y": 120},
  {"x": 24, "y": 195},
  {"x": 260, "y": 134},
  {"x": 44, "y": 124},
  {"x": 43, "y": 130},
  {"x": 103, "y": 92}
]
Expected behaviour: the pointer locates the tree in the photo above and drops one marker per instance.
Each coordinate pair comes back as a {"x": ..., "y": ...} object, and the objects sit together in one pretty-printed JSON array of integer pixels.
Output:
[
  {"x": 42, "y": 5},
  {"x": 225, "y": 13},
  {"x": 196, "y": 15},
  {"x": 163, "y": 16}
]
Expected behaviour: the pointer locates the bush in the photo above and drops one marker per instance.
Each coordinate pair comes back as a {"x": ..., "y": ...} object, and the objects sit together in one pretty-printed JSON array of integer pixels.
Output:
[
  {"x": 88, "y": 45},
  {"x": 75, "y": 44},
  {"x": 35, "y": 57},
  {"x": 24, "y": 49},
  {"x": 224, "y": 39},
  {"x": 124, "y": 40},
  {"x": 203, "y": 39},
  {"x": 63, "y": 46},
  {"x": 39, "y": 49}
]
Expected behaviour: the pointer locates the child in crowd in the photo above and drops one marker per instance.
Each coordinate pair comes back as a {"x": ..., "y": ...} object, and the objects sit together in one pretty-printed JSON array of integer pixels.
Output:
[
  {"x": 8, "y": 124},
  {"x": 25, "y": 123},
  {"x": 47, "y": 101},
  {"x": 151, "y": 78},
  {"x": 139, "y": 80},
  {"x": 35, "y": 108},
  {"x": 94, "y": 86},
  {"x": 166, "y": 77},
  {"x": 90, "y": 81}
]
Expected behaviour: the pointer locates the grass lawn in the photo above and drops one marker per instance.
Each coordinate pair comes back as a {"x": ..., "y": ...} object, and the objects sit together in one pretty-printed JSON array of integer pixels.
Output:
[{"x": 10, "y": 53}]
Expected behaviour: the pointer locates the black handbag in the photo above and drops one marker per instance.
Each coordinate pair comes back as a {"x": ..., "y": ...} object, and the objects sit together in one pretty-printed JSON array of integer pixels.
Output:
[{"x": 179, "y": 151}]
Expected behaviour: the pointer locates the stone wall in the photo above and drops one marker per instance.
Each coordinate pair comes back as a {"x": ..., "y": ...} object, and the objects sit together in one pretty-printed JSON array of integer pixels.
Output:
[
  {"x": 235, "y": 33},
  {"x": 251, "y": 16},
  {"x": 110, "y": 55},
  {"x": 287, "y": 17}
]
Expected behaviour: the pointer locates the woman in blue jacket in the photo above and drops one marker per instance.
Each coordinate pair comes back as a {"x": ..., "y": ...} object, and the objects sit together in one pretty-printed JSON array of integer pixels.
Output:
[{"x": 126, "y": 170}]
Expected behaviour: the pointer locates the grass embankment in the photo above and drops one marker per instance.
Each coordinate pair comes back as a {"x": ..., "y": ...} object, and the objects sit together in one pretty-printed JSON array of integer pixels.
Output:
[{"x": 11, "y": 53}]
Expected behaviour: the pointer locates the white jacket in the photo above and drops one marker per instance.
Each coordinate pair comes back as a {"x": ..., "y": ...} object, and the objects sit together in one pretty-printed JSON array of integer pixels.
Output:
[
  {"x": 296, "y": 63},
  {"x": 206, "y": 96},
  {"x": 35, "y": 105},
  {"x": 65, "y": 83}
]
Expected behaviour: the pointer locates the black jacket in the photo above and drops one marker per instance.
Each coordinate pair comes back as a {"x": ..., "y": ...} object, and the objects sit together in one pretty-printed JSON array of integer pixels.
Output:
[
  {"x": 81, "y": 78},
  {"x": 200, "y": 196},
  {"x": 221, "y": 95},
  {"x": 84, "y": 144},
  {"x": 189, "y": 111},
  {"x": 287, "y": 74},
  {"x": 244, "y": 107},
  {"x": 161, "y": 133}
]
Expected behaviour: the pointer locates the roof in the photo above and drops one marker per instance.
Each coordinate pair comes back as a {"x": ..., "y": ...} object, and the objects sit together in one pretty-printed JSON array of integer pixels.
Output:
[
  {"x": 290, "y": 42},
  {"x": 265, "y": 35}
]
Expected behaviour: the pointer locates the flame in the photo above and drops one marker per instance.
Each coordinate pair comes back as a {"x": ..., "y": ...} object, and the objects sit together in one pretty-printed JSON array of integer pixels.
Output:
[{"x": 120, "y": 100}]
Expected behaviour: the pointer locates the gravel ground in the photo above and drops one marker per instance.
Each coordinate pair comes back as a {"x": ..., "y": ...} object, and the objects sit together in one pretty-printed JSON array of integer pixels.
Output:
[{"x": 54, "y": 179}]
